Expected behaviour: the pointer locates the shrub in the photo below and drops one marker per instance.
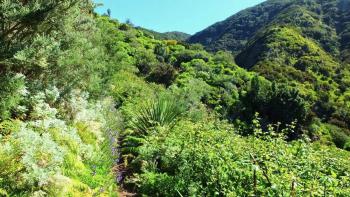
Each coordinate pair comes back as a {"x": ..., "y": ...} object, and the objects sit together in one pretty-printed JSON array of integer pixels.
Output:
[
  {"x": 339, "y": 137},
  {"x": 33, "y": 158},
  {"x": 208, "y": 159},
  {"x": 162, "y": 74},
  {"x": 161, "y": 112},
  {"x": 12, "y": 90},
  {"x": 49, "y": 155},
  {"x": 347, "y": 145},
  {"x": 275, "y": 103},
  {"x": 42, "y": 157}
]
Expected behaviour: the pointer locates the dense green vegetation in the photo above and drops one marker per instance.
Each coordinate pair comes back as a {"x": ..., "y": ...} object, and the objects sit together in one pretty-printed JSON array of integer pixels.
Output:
[
  {"x": 324, "y": 21},
  {"x": 299, "y": 42},
  {"x": 90, "y": 106},
  {"x": 174, "y": 35}
]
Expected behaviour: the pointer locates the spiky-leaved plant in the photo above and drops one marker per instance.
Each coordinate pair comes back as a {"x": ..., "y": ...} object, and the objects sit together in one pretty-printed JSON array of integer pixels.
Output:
[{"x": 163, "y": 111}]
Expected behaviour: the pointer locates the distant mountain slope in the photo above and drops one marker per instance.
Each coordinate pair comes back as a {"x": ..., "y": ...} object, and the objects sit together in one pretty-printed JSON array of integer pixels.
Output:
[
  {"x": 173, "y": 35},
  {"x": 234, "y": 32},
  {"x": 282, "y": 54},
  {"x": 286, "y": 46},
  {"x": 325, "y": 21},
  {"x": 304, "y": 43}
]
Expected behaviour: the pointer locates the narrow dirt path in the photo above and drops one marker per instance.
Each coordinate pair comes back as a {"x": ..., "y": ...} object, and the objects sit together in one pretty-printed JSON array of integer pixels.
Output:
[
  {"x": 125, "y": 194},
  {"x": 120, "y": 171}
]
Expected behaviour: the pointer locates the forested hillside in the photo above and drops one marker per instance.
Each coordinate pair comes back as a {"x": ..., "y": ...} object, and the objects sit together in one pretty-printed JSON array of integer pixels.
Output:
[
  {"x": 90, "y": 106},
  {"x": 300, "y": 42},
  {"x": 174, "y": 35},
  {"x": 324, "y": 21}
]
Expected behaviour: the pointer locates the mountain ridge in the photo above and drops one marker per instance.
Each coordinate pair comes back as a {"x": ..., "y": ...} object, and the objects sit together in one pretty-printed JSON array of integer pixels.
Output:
[
  {"x": 318, "y": 19},
  {"x": 305, "y": 43},
  {"x": 171, "y": 35}
]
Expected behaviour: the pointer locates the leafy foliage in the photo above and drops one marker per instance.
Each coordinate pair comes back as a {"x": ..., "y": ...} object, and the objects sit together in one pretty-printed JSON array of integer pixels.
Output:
[
  {"x": 162, "y": 112},
  {"x": 299, "y": 43},
  {"x": 12, "y": 92},
  {"x": 86, "y": 100},
  {"x": 174, "y": 163},
  {"x": 323, "y": 21},
  {"x": 174, "y": 35}
]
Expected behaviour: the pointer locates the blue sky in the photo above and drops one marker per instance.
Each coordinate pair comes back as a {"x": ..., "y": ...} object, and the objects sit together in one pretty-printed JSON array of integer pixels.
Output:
[{"x": 188, "y": 16}]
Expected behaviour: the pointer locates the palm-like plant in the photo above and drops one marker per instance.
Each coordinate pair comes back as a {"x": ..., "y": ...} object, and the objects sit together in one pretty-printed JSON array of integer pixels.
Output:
[{"x": 163, "y": 111}]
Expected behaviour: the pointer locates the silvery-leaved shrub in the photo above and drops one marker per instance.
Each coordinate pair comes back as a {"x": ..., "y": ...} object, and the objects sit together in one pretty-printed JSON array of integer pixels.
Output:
[
  {"x": 42, "y": 157},
  {"x": 52, "y": 94},
  {"x": 37, "y": 150},
  {"x": 65, "y": 135},
  {"x": 44, "y": 120},
  {"x": 41, "y": 109},
  {"x": 91, "y": 114}
]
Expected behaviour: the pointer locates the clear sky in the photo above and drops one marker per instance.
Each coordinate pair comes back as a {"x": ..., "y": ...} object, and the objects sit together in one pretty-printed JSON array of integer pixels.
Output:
[{"x": 189, "y": 16}]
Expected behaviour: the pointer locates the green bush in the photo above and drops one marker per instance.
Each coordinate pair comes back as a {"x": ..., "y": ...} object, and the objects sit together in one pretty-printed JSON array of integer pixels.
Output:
[
  {"x": 51, "y": 156},
  {"x": 12, "y": 91},
  {"x": 347, "y": 145},
  {"x": 164, "y": 111},
  {"x": 339, "y": 137},
  {"x": 209, "y": 159},
  {"x": 275, "y": 103}
]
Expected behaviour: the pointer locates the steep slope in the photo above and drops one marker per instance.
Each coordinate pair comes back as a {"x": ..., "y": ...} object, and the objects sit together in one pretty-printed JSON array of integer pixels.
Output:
[
  {"x": 233, "y": 33},
  {"x": 282, "y": 54},
  {"x": 304, "y": 43},
  {"x": 284, "y": 48},
  {"x": 326, "y": 22}
]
